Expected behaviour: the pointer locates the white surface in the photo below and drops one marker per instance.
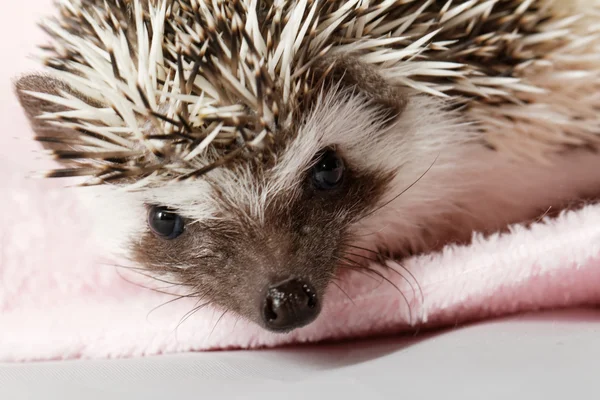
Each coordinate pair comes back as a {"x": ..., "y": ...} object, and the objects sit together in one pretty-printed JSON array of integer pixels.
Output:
[{"x": 540, "y": 356}]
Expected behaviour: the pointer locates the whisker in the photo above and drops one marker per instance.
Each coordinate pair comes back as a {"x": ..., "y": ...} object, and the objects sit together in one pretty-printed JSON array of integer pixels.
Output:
[
  {"x": 541, "y": 217},
  {"x": 381, "y": 229},
  {"x": 237, "y": 319},
  {"x": 354, "y": 262},
  {"x": 379, "y": 274},
  {"x": 410, "y": 274},
  {"x": 385, "y": 266},
  {"x": 137, "y": 270},
  {"x": 364, "y": 248},
  {"x": 378, "y": 254},
  {"x": 405, "y": 190},
  {"x": 361, "y": 256},
  {"x": 146, "y": 287},
  {"x": 357, "y": 269},
  {"x": 122, "y": 266},
  {"x": 343, "y": 291},
  {"x": 171, "y": 301},
  {"x": 191, "y": 312},
  {"x": 215, "y": 327}
]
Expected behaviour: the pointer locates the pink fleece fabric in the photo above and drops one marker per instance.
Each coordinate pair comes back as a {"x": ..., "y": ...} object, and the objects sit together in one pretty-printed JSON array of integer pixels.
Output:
[{"x": 59, "y": 299}]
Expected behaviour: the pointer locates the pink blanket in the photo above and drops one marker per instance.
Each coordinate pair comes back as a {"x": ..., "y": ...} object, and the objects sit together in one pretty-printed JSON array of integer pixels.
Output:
[{"x": 60, "y": 299}]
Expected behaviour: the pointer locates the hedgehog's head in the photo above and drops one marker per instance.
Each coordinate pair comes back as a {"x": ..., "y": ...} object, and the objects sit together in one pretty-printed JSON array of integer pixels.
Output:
[{"x": 263, "y": 237}]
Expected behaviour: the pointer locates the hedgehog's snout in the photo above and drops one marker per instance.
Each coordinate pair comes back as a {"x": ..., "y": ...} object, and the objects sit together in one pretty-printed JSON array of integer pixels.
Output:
[{"x": 290, "y": 304}]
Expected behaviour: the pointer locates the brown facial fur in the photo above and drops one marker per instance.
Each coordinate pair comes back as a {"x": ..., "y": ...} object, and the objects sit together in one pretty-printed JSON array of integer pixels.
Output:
[{"x": 232, "y": 262}]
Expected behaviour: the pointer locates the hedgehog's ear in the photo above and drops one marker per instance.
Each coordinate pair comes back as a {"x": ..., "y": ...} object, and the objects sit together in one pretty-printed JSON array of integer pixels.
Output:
[
  {"x": 51, "y": 136},
  {"x": 347, "y": 71}
]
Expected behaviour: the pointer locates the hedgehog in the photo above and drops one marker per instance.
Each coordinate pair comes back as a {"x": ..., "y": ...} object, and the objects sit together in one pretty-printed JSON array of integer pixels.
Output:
[{"x": 251, "y": 151}]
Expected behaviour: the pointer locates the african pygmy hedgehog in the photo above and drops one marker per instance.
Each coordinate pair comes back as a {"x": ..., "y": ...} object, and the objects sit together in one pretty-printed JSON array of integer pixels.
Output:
[{"x": 251, "y": 149}]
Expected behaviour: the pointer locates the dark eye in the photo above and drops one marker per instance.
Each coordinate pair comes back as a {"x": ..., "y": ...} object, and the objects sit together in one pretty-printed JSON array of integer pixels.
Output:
[
  {"x": 328, "y": 172},
  {"x": 164, "y": 222}
]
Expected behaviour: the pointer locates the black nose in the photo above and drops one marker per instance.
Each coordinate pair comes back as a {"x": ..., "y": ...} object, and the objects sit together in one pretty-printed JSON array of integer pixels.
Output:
[{"x": 290, "y": 304}]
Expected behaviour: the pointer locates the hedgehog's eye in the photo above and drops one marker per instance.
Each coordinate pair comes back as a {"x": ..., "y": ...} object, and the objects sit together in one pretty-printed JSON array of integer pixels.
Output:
[
  {"x": 164, "y": 222},
  {"x": 328, "y": 172}
]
